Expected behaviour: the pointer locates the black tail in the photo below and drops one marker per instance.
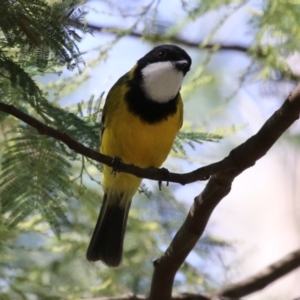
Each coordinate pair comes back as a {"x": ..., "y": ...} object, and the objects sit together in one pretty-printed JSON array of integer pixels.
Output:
[{"x": 107, "y": 240}]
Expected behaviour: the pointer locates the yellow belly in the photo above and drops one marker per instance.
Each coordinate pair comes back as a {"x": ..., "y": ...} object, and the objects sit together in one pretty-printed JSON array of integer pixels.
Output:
[{"x": 136, "y": 142}]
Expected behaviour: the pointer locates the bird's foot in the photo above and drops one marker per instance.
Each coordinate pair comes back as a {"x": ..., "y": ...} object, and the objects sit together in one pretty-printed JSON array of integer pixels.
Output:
[
  {"x": 166, "y": 174},
  {"x": 115, "y": 165}
]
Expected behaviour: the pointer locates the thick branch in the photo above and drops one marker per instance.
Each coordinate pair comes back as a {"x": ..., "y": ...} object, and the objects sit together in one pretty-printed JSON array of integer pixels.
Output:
[
  {"x": 262, "y": 279},
  {"x": 184, "y": 241},
  {"x": 217, "y": 188}
]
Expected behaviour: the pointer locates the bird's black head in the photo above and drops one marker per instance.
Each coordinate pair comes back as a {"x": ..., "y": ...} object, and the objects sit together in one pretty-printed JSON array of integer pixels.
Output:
[
  {"x": 167, "y": 53},
  {"x": 160, "y": 72},
  {"x": 155, "y": 82}
]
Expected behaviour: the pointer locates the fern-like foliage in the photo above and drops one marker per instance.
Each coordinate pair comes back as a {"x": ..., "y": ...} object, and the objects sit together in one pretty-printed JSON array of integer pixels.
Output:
[
  {"x": 12, "y": 73},
  {"x": 54, "y": 38},
  {"x": 34, "y": 33},
  {"x": 34, "y": 176},
  {"x": 192, "y": 137},
  {"x": 17, "y": 82}
]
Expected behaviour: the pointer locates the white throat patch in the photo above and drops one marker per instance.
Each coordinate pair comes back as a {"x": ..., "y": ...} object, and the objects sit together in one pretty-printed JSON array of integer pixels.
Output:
[{"x": 161, "y": 81}]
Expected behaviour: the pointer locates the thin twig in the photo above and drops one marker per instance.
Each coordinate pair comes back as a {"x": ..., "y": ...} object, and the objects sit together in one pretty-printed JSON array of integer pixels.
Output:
[
  {"x": 175, "y": 40},
  {"x": 259, "y": 281}
]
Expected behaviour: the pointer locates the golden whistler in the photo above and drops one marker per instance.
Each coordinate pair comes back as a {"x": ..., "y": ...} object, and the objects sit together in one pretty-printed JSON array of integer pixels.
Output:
[{"x": 141, "y": 117}]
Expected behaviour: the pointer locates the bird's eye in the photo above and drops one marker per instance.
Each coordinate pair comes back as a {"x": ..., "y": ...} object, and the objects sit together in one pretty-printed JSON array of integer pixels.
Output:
[{"x": 162, "y": 53}]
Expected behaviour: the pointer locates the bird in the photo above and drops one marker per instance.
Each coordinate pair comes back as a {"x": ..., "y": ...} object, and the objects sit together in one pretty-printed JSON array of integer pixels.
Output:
[{"x": 141, "y": 116}]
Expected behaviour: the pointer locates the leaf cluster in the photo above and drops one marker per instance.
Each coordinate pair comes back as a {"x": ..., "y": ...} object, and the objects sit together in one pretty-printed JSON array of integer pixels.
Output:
[{"x": 40, "y": 31}]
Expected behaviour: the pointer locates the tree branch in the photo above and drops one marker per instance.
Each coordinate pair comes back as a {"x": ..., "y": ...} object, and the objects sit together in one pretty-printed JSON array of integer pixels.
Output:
[
  {"x": 184, "y": 241},
  {"x": 244, "y": 155},
  {"x": 217, "y": 188},
  {"x": 245, "y": 287},
  {"x": 184, "y": 296},
  {"x": 156, "y": 38},
  {"x": 149, "y": 173},
  {"x": 264, "y": 278}
]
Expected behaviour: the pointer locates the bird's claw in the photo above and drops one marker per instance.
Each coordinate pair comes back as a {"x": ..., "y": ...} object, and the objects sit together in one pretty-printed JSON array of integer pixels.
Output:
[
  {"x": 167, "y": 177},
  {"x": 115, "y": 165}
]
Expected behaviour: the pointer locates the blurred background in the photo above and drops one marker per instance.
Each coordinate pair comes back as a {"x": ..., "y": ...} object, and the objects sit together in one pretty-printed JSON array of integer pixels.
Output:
[{"x": 245, "y": 63}]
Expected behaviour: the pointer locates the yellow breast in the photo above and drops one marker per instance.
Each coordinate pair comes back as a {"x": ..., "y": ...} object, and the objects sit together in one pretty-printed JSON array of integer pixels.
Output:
[
  {"x": 138, "y": 142},
  {"x": 133, "y": 140}
]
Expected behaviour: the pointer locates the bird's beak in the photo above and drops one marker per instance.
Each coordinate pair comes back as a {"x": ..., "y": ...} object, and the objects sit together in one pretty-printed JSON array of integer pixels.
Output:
[{"x": 181, "y": 65}]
